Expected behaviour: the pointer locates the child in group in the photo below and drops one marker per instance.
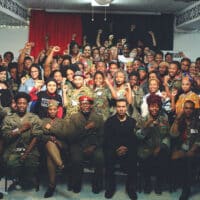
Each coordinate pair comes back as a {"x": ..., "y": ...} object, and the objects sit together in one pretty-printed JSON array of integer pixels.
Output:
[
  {"x": 103, "y": 91},
  {"x": 122, "y": 87}
]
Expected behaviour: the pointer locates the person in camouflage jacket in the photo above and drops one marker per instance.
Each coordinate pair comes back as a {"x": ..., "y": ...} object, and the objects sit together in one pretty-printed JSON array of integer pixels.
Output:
[
  {"x": 154, "y": 143},
  {"x": 21, "y": 131}
]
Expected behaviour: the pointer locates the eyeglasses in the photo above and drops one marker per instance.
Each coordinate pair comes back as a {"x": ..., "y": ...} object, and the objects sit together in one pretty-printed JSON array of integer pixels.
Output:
[{"x": 34, "y": 71}]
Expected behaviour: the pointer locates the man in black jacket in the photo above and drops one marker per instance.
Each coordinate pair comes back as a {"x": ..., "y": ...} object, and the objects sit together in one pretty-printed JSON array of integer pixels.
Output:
[{"x": 120, "y": 146}]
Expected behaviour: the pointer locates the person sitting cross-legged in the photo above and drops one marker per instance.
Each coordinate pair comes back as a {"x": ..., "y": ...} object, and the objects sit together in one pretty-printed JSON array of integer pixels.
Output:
[{"x": 54, "y": 138}]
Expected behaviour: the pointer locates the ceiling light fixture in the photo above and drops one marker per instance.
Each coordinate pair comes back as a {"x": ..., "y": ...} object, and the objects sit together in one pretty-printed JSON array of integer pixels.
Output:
[
  {"x": 100, "y": 3},
  {"x": 105, "y": 15},
  {"x": 92, "y": 19}
]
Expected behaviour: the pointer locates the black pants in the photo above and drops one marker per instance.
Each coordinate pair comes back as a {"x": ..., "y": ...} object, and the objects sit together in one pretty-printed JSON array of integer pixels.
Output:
[
  {"x": 183, "y": 169},
  {"x": 156, "y": 165},
  {"x": 128, "y": 163}
]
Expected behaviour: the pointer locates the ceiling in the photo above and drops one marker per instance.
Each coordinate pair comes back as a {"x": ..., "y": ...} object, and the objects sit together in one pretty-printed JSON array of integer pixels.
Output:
[
  {"x": 84, "y": 6},
  {"x": 122, "y": 6},
  {"x": 7, "y": 19}
]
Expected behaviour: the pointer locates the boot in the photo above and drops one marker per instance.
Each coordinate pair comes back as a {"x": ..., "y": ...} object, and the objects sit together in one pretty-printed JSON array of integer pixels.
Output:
[
  {"x": 77, "y": 174},
  {"x": 132, "y": 194},
  {"x": 158, "y": 189},
  {"x": 70, "y": 183},
  {"x": 147, "y": 186},
  {"x": 131, "y": 191},
  {"x": 110, "y": 188},
  {"x": 77, "y": 186},
  {"x": 109, "y": 192},
  {"x": 97, "y": 187},
  {"x": 158, "y": 186},
  {"x": 49, "y": 192},
  {"x": 185, "y": 194},
  {"x": 97, "y": 183}
]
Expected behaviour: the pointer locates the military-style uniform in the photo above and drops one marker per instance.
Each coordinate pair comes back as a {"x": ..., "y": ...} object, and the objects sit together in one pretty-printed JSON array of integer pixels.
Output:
[
  {"x": 4, "y": 111},
  {"x": 79, "y": 140},
  {"x": 185, "y": 138},
  {"x": 16, "y": 145},
  {"x": 137, "y": 96},
  {"x": 175, "y": 83},
  {"x": 57, "y": 130},
  {"x": 187, "y": 135},
  {"x": 101, "y": 102},
  {"x": 153, "y": 137},
  {"x": 73, "y": 100}
]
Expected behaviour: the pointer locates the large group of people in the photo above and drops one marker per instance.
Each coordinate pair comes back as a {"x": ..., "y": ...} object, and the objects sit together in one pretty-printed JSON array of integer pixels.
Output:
[{"x": 101, "y": 105}]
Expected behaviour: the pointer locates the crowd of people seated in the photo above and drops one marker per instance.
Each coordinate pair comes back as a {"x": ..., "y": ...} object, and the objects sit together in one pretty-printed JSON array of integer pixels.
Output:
[{"x": 105, "y": 104}]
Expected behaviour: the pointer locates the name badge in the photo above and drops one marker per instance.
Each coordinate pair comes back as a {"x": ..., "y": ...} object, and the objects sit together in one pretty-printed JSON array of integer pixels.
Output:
[
  {"x": 74, "y": 103},
  {"x": 30, "y": 88},
  {"x": 99, "y": 93},
  {"x": 194, "y": 131},
  {"x": 185, "y": 147}
]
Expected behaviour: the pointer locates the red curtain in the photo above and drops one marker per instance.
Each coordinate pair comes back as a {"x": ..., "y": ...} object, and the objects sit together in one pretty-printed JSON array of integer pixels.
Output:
[{"x": 58, "y": 26}]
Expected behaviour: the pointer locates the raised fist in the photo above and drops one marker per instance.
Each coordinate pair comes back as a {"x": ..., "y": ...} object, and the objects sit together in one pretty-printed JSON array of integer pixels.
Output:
[
  {"x": 23, "y": 80},
  {"x": 100, "y": 31},
  {"x": 56, "y": 48}
]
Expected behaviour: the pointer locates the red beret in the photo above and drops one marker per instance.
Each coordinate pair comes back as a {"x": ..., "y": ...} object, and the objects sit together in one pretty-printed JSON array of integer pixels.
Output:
[{"x": 86, "y": 98}]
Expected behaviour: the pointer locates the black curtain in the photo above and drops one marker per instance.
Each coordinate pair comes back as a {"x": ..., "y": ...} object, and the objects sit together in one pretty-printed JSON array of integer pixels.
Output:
[{"x": 119, "y": 25}]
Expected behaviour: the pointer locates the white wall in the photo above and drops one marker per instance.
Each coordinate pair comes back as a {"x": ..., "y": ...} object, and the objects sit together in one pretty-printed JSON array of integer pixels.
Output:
[
  {"x": 13, "y": 39},
  {"x": 189, "y": 43}
]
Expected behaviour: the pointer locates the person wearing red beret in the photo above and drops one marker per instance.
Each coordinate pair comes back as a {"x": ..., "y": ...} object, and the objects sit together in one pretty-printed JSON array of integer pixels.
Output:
[{"x": 86, "y": 144}]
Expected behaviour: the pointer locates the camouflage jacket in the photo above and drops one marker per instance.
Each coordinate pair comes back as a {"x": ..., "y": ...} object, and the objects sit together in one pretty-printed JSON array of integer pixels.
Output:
[
  {"x": 13, "y": 122},
  {"x": 153, "y": 136},
  {"x": 73, "y": 100},
  {"x": 187, "y": 135}
]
